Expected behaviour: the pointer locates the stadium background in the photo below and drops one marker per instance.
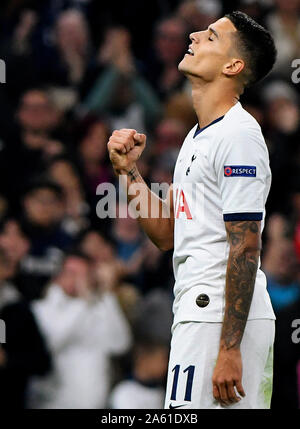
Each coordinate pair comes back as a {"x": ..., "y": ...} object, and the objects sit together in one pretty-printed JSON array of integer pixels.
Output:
[{"x": 93, "y": 331}]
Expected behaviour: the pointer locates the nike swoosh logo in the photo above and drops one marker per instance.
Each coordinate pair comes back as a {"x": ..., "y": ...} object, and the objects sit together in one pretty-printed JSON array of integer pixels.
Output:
[{"x": 176, "y": 406}]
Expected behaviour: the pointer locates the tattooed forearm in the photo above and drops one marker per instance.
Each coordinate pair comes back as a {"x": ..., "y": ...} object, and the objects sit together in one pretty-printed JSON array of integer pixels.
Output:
[
  {"x": 244, "y": 238},
  {"x": 133, "y": 174}
]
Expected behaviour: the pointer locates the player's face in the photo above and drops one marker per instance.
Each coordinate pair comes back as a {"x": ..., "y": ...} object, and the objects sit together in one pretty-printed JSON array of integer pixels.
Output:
[{"x": 209, "y": 51}]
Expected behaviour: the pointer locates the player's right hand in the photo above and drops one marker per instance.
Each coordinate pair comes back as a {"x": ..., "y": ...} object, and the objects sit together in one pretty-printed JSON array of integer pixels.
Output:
[
  {"x": 125, "y": 146},
  {"x": 227, "y": 377}
]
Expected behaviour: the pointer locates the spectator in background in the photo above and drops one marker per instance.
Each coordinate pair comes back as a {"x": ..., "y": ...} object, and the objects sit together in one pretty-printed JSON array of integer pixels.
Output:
[
  {"x": 72, "y": 42},
  {"x": 127, "y": 235},
  {"x": 17, "y": 50},
  {"x": 161, "y": 67},
  {"x": 284, "y": 25},
  {"x": 280, "y": 264},
  {"x": 254, "y": 8},
  {"x": 96, "y": 247},
  {"x": 129, "y": 244},
  {"x": 119, "y": 258},
  {"x": 199, "y": 14},
  {"x": 14, "y": 242},
  {"x": 145, "y": 388},
  {"x": 37, "y": 117},
  {"x": 162, "y": 170},
  {"x": 30, "y": 143},
  {"x": 70, "y": 62},
  {"x": 155, "y": 268},
  {"x": 84, "y": 326},
  {"x": 120, "y": 91},
  {"x": 92, "y": 163},
  {"x": 146, "y": 266},
  {"x": 282, "y": 136},
  {"x": 169, "y": 135},
  {"x": 154, "y": 316},
  {"x": 282, "y": 269},
  {"x": 44, "y": 212},
  {"x": 111, "y": 270},
  {"x": 24, "y": 354},
  {"x": 3, "y": 208},
  {"x": 92, "y": 155},
  {"x": 179, "y": 107},
  {"x": 295, "y": 203},
  {"x": 63, "y": 172}
]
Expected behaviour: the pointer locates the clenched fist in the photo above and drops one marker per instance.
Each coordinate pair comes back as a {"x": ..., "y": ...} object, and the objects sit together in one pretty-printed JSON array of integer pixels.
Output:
[{"x": 125, "y": 146}]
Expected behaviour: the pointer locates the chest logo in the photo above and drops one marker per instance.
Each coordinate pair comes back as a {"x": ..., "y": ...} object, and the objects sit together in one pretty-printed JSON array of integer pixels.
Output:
[{"x": 189, "y": 167}]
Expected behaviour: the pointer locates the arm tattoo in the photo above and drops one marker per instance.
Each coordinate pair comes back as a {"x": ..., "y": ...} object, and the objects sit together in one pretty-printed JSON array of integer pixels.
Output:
[
  {"x": 132, "y": 174},
  {"x": 244, "y": 240}
]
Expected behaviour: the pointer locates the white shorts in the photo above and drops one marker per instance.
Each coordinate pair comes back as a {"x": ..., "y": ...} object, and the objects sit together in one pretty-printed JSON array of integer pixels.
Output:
[{"x": 194, "y": 352}]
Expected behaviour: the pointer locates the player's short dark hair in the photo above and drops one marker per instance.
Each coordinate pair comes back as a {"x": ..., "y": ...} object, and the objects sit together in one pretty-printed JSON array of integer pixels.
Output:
[{"x": 256, "y": 44}]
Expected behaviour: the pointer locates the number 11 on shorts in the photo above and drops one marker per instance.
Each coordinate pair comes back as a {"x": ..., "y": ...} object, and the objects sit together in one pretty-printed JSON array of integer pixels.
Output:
[{"x": 189, "y": 382}]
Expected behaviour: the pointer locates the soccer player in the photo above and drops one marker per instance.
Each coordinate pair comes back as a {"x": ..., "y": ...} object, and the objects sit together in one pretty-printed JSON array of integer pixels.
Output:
[{"x": 223, "y": 330}]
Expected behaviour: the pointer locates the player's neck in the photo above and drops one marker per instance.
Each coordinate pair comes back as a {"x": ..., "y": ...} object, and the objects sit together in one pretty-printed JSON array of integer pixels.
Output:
[{"x": 211, "y": 101}]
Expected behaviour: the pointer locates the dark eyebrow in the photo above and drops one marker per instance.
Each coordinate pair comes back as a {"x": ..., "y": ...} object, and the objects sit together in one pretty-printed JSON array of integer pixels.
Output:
[{"x": 213, "y": 31}]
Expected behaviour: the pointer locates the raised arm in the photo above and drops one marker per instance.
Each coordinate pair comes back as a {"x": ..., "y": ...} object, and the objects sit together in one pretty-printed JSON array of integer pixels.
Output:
[
  {"x": 244, "y": 238},
  {"x": 125, "y": 148}
]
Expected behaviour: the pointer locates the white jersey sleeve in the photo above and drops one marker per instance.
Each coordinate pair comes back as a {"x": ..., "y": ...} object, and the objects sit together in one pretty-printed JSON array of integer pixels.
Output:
[{"x": 243, "y": 174}]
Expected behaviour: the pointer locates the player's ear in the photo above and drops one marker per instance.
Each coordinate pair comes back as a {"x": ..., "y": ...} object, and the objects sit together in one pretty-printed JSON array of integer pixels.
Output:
[{"x": 233, "y": 67}]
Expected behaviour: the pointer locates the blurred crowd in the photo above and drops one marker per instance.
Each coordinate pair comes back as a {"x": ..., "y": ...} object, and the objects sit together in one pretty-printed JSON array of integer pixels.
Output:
[{"x": 87, "y": 302}]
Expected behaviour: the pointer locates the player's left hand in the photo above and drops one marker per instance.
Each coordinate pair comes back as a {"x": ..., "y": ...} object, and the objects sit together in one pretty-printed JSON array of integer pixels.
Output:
[{"x": 227, "y": 377}]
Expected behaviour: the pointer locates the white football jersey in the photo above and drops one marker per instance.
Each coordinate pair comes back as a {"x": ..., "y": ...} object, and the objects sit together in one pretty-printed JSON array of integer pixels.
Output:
[{"x": 222, "y": 174}]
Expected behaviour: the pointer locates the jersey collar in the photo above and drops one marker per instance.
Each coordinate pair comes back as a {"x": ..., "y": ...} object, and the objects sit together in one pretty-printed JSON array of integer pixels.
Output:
[{"x": 199, "y": 130}]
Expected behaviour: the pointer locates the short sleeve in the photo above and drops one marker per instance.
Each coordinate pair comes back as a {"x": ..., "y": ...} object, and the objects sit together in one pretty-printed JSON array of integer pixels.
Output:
[{"x": 243, "y": 175}]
